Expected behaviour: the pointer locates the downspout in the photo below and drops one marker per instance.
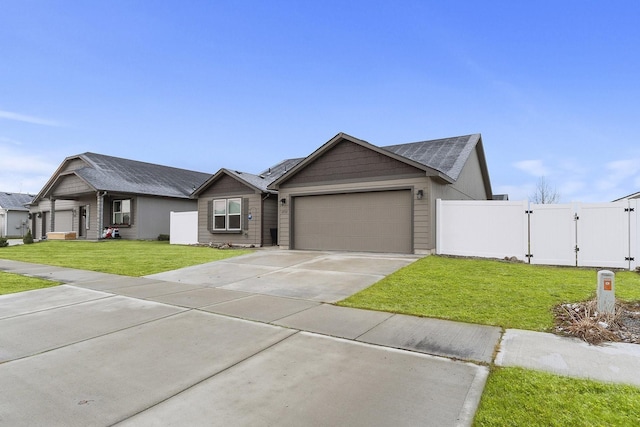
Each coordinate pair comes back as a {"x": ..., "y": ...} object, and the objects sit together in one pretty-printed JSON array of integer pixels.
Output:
[
  {"x": 262, "y": 219},
  {"x": 52, "y": 215},
  {"x": 100, "y": 213},
  {"x": 5, "y": 229}
]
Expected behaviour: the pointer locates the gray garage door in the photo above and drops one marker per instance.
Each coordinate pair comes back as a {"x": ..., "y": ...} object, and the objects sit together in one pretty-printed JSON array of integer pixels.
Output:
[
  {"x": 369, "y": 222},
  {"x": 64, "y": 221}
]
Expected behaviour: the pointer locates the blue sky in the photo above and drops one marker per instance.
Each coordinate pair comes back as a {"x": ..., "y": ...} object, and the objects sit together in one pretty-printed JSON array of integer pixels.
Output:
[{"x": 552, "y": 86}]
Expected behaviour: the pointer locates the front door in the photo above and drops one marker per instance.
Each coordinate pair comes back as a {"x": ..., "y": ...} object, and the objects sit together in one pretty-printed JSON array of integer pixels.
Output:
[
  {"x": 83, "y": 221},
  {"x": 43, "y": 226}
]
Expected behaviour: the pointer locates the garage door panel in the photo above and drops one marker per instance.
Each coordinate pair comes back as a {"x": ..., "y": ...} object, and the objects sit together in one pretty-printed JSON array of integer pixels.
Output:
[
  {"x": 371, "y": 222},
  {"x": 64, "y": 221}
]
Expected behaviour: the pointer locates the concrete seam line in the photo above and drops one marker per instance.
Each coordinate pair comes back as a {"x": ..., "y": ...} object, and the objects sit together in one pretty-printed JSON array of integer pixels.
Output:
[
  {"x": 272, "y": 322},
  {"x": 205, "y": 379},
  {"x": 58, "y": 307},
  {"x": 99, "y": 336},
  {"x": 375, "y": 326}
]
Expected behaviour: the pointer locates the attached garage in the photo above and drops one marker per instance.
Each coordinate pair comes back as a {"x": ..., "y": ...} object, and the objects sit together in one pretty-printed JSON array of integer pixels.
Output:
[
  {"x": 350, "y": 195},
  {"x": 378, "y": 221}
]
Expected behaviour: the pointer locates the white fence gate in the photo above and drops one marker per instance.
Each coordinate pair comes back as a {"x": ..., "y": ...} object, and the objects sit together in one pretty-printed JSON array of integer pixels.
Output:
[
  {"x": 590, "y": 235},
  {"x": 183, "y": 228}
]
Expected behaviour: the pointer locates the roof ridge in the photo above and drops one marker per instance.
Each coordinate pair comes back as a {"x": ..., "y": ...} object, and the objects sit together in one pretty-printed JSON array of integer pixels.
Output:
[
  {"x": 432, "y": 140},
  {"x": 87, "y": 156}
]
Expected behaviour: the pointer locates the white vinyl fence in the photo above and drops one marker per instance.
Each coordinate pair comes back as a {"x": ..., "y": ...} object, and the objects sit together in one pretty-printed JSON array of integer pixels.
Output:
[
  {"x": 589, "y": 235},
  {"x": 183, "y": 229}
]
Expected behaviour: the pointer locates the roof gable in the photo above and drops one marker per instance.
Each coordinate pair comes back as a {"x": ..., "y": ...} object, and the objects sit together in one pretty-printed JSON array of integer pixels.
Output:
[
  {"x": 350, "y": 161},
  {"x": 114, "y": 174},
  {"x": 444, "y": 157},
  {"x": 256, "y": 182}
]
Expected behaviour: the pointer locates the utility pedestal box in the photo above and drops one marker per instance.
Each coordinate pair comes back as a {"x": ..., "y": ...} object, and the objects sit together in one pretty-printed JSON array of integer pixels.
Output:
[{"x": 606, "y": 292}]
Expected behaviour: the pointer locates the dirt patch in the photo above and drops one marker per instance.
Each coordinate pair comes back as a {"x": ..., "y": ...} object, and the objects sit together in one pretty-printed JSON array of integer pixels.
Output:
[{"x": 582, "y": 320}]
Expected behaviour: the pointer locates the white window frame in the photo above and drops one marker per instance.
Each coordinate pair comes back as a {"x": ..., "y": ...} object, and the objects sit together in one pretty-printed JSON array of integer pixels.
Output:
[
  {"x": 121, "y": 212},
  {"x": 226, "y": 214}
]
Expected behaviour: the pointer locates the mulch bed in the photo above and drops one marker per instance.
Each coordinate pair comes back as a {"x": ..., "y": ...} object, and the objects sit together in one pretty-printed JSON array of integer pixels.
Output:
[{"x": 582, "y": 320}]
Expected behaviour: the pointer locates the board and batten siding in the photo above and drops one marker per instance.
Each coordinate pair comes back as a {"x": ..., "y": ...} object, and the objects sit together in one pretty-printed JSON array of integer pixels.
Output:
[
  {"x": 348, "y": 161},
  {"x": 73, "y": 164},
  {"x": 70, "y": 185}
]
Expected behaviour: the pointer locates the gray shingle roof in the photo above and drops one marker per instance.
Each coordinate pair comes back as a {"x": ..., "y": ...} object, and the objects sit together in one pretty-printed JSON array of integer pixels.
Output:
[
  {"x": 15, "y": 201},
  {"x": 446, "y": 155},
  {"x": 249, "y": 178},
  {"x": 276, "y": 171},
  {"x": 260, "y": 181},
  {"x": 107, "y": 173}
]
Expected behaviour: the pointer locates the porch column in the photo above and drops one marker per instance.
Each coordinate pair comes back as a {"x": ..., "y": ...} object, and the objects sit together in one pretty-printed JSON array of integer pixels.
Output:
[
  {"x": 52, "y": 215},
  {"x": 99, "y": 214}
]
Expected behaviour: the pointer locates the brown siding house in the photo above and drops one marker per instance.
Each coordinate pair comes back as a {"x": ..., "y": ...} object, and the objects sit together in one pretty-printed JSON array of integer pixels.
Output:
[
  {"x": 352, "y": 195},
  {"x": 237, "y": 208}
]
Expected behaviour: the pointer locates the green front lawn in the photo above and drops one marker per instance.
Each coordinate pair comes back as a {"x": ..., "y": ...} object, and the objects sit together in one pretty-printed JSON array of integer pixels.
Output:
[
  {"x": 490, "y": 292},
  {"x": 521, "y": 397},
  {"x": 11, "y": 283},
  {"x": 126, "y": 257}
]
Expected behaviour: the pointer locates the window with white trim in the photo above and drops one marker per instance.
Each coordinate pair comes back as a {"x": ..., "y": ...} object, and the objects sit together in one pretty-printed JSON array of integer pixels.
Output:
[
  {"x": 227, "y": 214},
  {"x": 121, "y": 212}
]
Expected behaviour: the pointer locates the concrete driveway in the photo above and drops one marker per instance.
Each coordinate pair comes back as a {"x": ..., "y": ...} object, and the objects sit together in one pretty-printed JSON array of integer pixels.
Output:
[
  {"x": 310, "y": 275},
  {"x": 111, "y": 350}
]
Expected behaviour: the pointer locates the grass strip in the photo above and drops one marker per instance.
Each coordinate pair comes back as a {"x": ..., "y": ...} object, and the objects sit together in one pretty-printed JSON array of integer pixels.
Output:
[
  {"x": 126, "y": 257},
  {"x": 522, "y": 397},
  {"x": 11, "y": 283},
  {"x": 490, "y": 292}
]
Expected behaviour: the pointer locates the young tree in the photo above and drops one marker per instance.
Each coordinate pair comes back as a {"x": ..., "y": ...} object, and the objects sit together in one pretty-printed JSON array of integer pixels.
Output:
[{"x": 544, "y": 193}]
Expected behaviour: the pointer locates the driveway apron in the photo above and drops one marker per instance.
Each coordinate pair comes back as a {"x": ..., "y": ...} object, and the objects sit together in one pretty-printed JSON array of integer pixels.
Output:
[
  {"x": 232, "y": 351},
  {"x": 311, "y": 275}
]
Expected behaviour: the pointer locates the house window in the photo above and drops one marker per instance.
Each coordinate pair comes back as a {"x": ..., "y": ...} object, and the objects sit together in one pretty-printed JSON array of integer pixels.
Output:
[
  {"x": 226, "y": 214},
  {"x": 122, "y": 212}
]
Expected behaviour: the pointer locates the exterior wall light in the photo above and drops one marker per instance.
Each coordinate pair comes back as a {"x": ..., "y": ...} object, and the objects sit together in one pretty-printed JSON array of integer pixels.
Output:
[
  {"x": 419, "y": 194},
  {"x": 283, "y": 201}
]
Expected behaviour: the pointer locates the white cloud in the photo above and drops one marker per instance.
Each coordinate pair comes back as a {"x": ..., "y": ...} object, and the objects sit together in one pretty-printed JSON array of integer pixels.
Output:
[
  {"x": 9, "y": 115},
  {"x": 532, "y": 167},
  {"x": 567, "y": 189},
  {"x": 22, "y": 171},
  {"x": 617, "y": 173},
  {"x": 16, "y": 161},
  {"x": 9, "y": 141}
]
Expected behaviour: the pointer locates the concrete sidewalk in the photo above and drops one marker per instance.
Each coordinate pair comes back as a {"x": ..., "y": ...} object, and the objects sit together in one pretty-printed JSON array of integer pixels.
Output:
[
  {"x": 105, "y": 349},
  {"x": 572, "y": 357},
  {"x": 190, "y": 353}
]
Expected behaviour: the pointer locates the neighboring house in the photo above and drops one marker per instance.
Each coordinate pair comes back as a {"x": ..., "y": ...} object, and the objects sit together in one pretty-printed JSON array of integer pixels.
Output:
[
  {"x": 237, "y": 208},
  {"x": 352, "y": 195},
  {"x": 89, "y": 192},
  {"x": 630, "y": 196},
  {"x": 14, "y": 214}
]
